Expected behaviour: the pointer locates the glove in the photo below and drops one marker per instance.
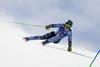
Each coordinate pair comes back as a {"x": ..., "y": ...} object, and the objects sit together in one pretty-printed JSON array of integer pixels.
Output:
[{"x": 47, "y": 27}]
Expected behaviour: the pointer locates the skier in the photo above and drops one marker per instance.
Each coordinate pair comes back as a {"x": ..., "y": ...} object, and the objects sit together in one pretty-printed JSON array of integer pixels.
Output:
[{"x": 56, "y": 36}]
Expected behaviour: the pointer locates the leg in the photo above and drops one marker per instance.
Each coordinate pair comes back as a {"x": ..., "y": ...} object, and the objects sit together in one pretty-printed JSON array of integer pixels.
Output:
[
  {"x": 33, "y": 38},
  {"x": 46, "y": 36},
  {"x": 49, "y": 35},
  {"x": 70, "y": 41},
  {"x": 70, "y": 46},
  {"x": 56, "y": 42},
  {"x": 55, "y": 39}
]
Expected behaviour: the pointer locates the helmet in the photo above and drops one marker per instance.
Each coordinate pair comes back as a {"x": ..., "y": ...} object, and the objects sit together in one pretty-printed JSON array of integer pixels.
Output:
[{"x": 69, "y": 23}]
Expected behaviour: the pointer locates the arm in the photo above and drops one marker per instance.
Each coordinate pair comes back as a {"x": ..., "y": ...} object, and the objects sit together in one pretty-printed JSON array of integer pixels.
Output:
[
  {"x": 70, "y": 38},
  {"x": 53, "y": 26}
]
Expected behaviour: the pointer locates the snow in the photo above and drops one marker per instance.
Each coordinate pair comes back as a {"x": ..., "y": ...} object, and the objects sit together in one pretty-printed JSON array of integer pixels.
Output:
[{"x": 15, "y": 52}]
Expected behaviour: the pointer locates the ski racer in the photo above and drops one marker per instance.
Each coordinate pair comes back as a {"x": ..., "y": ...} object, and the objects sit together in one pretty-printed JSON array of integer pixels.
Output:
[{"x": 64, "y": 30}]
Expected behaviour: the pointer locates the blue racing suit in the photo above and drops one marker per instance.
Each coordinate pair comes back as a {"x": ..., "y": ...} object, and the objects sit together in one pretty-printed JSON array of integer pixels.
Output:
[{"x": 55, "y": 36}]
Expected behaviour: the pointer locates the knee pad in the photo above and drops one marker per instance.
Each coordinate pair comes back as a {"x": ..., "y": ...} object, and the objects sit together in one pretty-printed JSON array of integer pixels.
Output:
[
  {"x": 56, "y": 42},
  {"x": 49, "y": 35}
]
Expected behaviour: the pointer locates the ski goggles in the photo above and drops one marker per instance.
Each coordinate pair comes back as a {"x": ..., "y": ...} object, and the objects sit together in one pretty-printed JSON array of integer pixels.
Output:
[{"x": 67, "y": 26}]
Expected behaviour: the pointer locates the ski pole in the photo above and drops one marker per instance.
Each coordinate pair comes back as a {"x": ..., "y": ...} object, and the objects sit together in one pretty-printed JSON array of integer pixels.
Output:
[
  {"x": 94, "y": 58},
  {"x": 27, "y": 24}
]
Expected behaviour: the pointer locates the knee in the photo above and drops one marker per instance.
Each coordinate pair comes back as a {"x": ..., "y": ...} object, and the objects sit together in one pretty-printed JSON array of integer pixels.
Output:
[{"x": 56, "y": 42}]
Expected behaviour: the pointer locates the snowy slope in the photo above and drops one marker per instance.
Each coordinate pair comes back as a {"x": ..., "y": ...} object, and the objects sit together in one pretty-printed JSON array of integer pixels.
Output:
[{"x": 15, "y": 52}]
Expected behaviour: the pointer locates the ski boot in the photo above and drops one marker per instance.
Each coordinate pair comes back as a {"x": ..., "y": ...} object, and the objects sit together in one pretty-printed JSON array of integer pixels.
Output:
[
  {"x": 26, "y": 39},
  {"x": 44, "y": 42}
]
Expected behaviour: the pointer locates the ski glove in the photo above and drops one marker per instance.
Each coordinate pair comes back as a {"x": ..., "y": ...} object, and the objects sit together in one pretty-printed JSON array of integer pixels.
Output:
[{"x": 47, "y": 27}]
